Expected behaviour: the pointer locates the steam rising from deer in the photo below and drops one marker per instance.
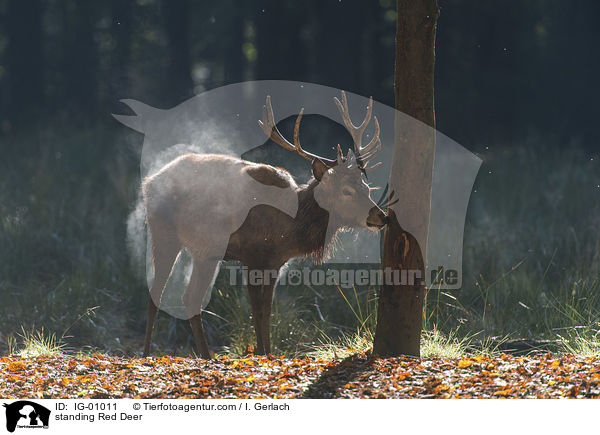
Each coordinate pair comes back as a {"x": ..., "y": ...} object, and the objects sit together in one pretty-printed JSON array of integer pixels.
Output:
[{"x": 220, "y": 207}]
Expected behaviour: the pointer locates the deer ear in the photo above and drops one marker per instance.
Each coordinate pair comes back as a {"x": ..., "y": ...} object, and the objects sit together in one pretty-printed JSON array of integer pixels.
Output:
[{"x": 318, "y": 169}]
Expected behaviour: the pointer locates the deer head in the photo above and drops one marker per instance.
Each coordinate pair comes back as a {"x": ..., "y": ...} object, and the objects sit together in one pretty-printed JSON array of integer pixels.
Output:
[{"x": 342, "y": 189}]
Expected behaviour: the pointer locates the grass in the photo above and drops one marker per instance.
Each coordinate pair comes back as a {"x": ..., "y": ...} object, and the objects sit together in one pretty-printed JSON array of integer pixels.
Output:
[
  {"x": 582, "y": 347},
  {"x": 62, "y": 234},
  {"x": 292, "y": 323},
  {"x": 583, "y": 341},
  {"x": 531, "y": 246},
  {"x": 329, "y": 349},
  {"x": 433, "y": 343},
  {"x": 36, "y": 343},
  {"x": 530, "y": 266}
]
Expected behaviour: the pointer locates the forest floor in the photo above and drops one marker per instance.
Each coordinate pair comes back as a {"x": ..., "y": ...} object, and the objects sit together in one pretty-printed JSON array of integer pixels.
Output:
[{"x": 100, "y": 376}]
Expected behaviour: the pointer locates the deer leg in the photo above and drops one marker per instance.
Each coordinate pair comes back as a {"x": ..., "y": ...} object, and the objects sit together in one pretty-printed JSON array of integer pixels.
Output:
[
  {"x": 165, "y": 248},
  {"x": 196, "y": 297},
  {"x": 150, "y": 316},
  {"x": 255, "y": 292},
  {"x": 267, "y": 302},
  {"x": 200, "y": 336}
]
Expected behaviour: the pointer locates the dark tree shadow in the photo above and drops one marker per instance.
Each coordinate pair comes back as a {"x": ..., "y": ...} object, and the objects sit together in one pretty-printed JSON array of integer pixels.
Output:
[{"x": 327, "y": 386}]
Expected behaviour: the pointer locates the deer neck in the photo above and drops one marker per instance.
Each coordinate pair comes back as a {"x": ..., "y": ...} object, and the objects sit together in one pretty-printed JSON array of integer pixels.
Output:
[{"x": 313, "y": 226}]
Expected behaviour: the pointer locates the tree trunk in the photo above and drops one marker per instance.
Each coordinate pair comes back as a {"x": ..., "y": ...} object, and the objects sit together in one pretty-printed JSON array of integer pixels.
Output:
[{"x": 400, "y": 307}]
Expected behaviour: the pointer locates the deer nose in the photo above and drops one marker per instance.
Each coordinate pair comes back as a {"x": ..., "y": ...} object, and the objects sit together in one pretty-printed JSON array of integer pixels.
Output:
[{"x": 377, "y": 218}]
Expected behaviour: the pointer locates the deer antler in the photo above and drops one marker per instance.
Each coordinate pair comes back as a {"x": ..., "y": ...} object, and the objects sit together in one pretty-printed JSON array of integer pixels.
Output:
[
  {"x": 270, "y": 128},
  {"x": 366, "y": 153},
  {"x": 389, "y": 201}
]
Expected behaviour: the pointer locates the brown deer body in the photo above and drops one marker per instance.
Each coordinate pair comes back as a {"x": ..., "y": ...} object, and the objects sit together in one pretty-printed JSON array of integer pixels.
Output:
[{"x": 189, "y": 206}]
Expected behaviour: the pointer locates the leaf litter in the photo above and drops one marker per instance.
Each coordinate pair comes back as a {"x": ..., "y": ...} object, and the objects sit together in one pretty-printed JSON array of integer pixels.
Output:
[{"x": 358, "y": 376}]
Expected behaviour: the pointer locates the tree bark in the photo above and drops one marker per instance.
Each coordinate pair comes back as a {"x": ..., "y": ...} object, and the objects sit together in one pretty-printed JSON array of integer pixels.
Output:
[{"x": 400, "y": 307}]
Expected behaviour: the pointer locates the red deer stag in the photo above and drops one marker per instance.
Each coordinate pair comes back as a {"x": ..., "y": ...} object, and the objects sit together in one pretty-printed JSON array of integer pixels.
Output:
[{"x": 191, "y": 198}]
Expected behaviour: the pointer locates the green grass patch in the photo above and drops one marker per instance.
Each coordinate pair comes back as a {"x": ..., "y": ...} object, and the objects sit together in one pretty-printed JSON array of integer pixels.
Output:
[
  {"x": 31, "y": 344},
  {"x": 329, "y": 349},
  {"x": 435, "y": 343}
]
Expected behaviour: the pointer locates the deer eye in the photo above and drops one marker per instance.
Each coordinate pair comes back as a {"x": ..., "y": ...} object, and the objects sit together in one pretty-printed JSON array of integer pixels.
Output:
[{"x": 347, "y": 191}]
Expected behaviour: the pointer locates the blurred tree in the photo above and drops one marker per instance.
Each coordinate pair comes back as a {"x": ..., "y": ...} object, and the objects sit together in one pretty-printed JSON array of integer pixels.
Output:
[
  {"x": 79, "y": 62},
  {"x": 338, "y": 30},
  {"x": 121, "y": 12},
  {"x": 176, "y": 15},
  {"x": 505, "y": 71},
  {"x": 24, "y": 60},
  {"x": 232, "y": 56},
  {"x": 279, "y": 41}
]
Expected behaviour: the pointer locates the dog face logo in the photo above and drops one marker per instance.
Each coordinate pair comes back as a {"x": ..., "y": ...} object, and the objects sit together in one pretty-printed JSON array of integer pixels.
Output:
[{"x": 26, "y": 414}]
